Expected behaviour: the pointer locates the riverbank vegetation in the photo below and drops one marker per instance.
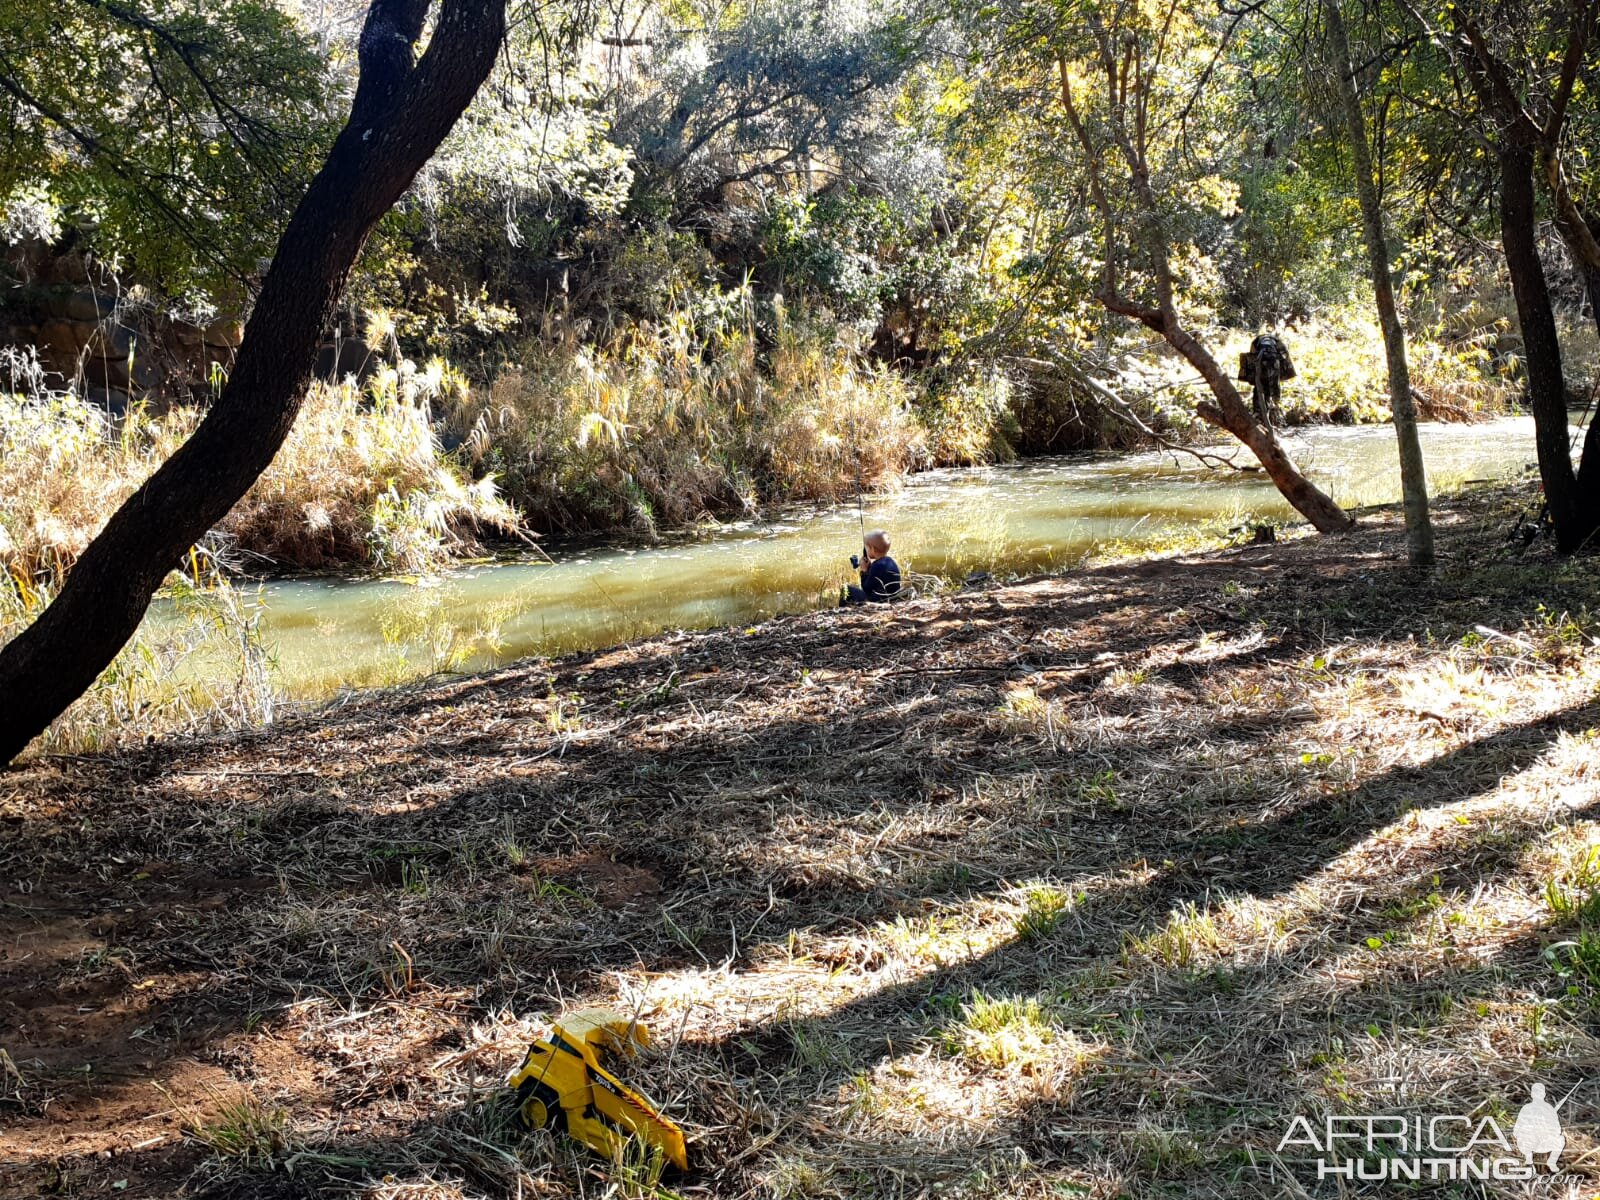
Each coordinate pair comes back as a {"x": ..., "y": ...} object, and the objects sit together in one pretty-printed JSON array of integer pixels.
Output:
[
  {"x": 699, "y": 263},
  {"x": 680, "y": 267},
  {"x": 1090, "y": 884},
  {"x": 1086, "y": 886}
]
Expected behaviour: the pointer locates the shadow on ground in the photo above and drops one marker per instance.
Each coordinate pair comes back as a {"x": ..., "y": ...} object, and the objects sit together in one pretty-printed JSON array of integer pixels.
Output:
[{"x": 1182, "y": 808}]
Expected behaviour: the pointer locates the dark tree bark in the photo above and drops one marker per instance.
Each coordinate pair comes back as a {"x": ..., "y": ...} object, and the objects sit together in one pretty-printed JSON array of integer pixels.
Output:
[
  {"x": 1524, "y": 139},
  {"x": 403, "y": 108},
  {"x": 1577, "y": 230},
  {"x": 1541, "y": 347},
  {"x": 1413, "y": 478}
]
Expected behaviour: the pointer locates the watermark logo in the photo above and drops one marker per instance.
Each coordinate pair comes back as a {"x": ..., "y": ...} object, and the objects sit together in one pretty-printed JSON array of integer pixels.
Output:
[
  {"x": 1538, "y": 1130},
  {"x": 1447, "y": 1147}
]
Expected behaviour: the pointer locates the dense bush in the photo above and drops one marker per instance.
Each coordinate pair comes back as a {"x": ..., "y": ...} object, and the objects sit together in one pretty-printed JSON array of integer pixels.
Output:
[
  {"x": 686, "y": 418},
  {"x": 361, "y": 481}
]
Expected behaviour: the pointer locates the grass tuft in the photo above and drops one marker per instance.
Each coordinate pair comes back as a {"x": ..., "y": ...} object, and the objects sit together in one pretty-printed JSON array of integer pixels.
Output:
[{"x": 245, "y": 1129}]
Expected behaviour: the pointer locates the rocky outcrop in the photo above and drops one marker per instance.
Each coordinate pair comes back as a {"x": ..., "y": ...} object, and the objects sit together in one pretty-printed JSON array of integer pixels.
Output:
[
  {"x": 116, "y": 344},
  {"x": 110, "y": 340}
]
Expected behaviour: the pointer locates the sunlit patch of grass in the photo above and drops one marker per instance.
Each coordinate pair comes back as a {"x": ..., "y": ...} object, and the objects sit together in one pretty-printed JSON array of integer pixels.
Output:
[
  {"x": 792, "y": 1177},
  {"x": 1127, "y": 677},
  {"x": 1023, "y": 711},
  {"x": 1002, "y": 1031},
  {"x": 1573, "y": 894},
  {"x": 1162, "y": 1151},
  {"x": 243, "y": 1128},
  {"x": 1253, "y": 927},
  {"x": 938, "y": 939},
  {"x": 1189, "y": 938},
  {"x": 1044, "y": 908}
]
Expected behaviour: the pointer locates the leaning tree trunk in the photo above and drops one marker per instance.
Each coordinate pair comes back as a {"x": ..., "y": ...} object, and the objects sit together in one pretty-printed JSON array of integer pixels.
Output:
[
  {"x": 1230, "y": 412},
  {"x": 1574, "y": 520},
  {"x": 1413, "y": 478},
  {"x": 403, "y": 108}
]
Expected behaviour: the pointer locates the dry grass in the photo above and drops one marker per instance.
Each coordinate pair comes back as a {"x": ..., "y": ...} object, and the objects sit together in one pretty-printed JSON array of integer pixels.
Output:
[
  {"x": 64, "y": 468},
  {"x": 1082, "y": 886},
  {"x": 361, "y": 480},
  {"x": 689, "y": 418}
]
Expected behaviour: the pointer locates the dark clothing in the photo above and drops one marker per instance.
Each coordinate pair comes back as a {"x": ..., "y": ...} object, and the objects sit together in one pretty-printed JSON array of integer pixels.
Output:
[
  {"x": 1265, "y": 365},
  {"x": 879, "y": 582},
  {"x": 1269, "y": 353}
]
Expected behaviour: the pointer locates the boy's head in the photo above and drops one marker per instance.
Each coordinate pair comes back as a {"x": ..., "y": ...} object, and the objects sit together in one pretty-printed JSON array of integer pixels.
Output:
[{"x": 876, "y": 544}]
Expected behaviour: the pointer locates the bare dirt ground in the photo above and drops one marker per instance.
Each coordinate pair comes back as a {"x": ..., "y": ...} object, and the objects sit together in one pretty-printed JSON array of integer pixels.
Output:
[{"x": 1084, "y": 886}]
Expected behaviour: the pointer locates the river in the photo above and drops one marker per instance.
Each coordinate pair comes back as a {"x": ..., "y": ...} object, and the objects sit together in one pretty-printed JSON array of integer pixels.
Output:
[{"x": 329, "y": 634}]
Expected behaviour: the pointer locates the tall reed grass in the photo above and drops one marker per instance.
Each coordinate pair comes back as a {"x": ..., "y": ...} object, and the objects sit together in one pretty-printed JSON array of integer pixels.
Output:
[
  {"x": 361, "y": 481},
  {"x": 197, "y": 664},
  {"x": 688, "y": 418}
]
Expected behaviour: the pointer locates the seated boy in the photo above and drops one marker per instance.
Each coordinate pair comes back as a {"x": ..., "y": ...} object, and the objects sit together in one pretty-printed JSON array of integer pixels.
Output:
[{"x": 880, "y": 574}]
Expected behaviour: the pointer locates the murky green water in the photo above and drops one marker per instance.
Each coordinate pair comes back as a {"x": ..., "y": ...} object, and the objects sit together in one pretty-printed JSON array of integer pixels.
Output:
[{"x": 330, "y": 634}]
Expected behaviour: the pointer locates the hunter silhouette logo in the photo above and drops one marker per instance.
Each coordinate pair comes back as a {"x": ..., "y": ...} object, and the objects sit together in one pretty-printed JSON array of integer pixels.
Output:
[
  {"x": 1446, "y": 1147},
  {"x": 1538, "y": 1129}
]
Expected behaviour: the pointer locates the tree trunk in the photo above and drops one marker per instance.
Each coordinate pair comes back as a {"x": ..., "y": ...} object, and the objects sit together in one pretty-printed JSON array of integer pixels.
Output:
[
  {"x": 1574, "y": 521},
  {"x": 1230, "y": 412},
  {"x": 402, "y": 110},
  {"x": 1579, "y": 232},
  {"x": 1413, "y": 477},
  {"x": 1573, "y": 500}
]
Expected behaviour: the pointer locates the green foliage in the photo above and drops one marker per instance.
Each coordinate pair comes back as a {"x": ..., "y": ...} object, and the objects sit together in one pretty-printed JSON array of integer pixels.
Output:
[
  {"x": 1290, "y": 253},
  {"x": 198, "y": 665},
  {"x": 173, "y": 137},
  {"x": 1045, "y": 907},
  {"x": 971, "y": 416},
  {"x": 242, "y": 1128},
  {"x": 1573, "y": 896}
]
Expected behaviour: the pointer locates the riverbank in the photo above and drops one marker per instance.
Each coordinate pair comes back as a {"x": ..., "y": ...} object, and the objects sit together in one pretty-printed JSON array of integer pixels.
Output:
[
  {"x": 1086, "y": 885},
  {"x": 1015, "y": 520},
  {"x": 216, "y": 655}
]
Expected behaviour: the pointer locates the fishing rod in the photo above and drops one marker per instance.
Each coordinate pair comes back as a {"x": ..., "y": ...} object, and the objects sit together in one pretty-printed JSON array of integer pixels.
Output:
[{"x": 855, "y": 453}]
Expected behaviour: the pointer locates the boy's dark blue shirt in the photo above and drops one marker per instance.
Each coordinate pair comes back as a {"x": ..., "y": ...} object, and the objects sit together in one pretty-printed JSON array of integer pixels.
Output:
[{"x": 882, "y": 579}]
